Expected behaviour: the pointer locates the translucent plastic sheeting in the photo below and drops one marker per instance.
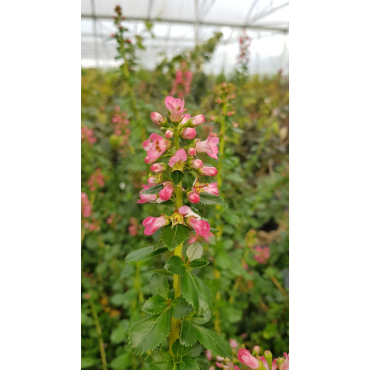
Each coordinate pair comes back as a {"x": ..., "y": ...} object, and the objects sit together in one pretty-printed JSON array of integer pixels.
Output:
[{"x": 178, "y": 26}]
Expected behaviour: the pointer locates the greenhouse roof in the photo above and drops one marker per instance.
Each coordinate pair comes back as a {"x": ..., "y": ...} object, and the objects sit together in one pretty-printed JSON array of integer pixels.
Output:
[{"x": 179, "y": 25}]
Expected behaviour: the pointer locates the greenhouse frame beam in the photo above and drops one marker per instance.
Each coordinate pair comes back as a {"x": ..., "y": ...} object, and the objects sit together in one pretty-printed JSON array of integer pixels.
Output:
[{"x": 191, "y": 23}]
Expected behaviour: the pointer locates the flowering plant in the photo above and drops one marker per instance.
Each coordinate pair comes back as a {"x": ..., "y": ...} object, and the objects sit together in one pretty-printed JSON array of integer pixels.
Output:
[{"x": 179, "y": 313}]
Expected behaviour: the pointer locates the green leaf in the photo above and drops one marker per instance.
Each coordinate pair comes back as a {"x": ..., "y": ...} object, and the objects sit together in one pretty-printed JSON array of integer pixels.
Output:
[
  {"x": 199, "y": 262},
  {"x": 87, "y": 362},
  {"x": 188, "y": 364},
  {"x": 121, "y": 362},
  {"x": 194, "y": 351},
  {"x": 144, "y": 254},
  {"x": 150, "y": 332},
  {"x": 181, "y": 308},
  {"x": 153, "y": 189},
  {"x": 155, "y": 304},
  {"x": 172, "y": 238},
  {"x": 176, "y": 177},
  {"x": 213, "y": 341},
  {"x": 162, "y": 272},
  {"x": 194, "y": 251},
  {"x": 176, "y": 265},
  {"x": 203, "y": 363},
  {"x": 159, "y": 361},
  {"x": 159, "y": 285},
  {"x": 230, "y": 217},
  {"x": 202, "y": 320},
  {"x": 211, "y": 199},
  {"x": 187, "y": 334},
  {"x": 196, "y": 292},
  {"x": 119, "y": 334}
]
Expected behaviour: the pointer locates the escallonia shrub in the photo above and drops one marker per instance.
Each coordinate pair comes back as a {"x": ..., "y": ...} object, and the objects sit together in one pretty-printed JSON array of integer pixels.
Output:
[{"x": 172, "y": 335}]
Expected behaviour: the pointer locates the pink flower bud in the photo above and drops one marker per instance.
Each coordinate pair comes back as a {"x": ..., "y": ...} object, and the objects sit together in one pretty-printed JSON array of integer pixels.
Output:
[
  {"x": 169, "y": 134},
  {"x": 196, "y": 163},
  {"x": 180, "y": 156},
  {"x": 158, "y": 167},
  {"x": 149, "y": 160},
  {"x": 157, "y": 118},
  {"x": 256, "y": 349},
  {"x": 233, "y": 343},
  {"x": 246, "y": 358},
  {"x": 193, "y": 197},
  {"x": 192, "y": 152},
  {"x": 152, "y": 224},
  {"x": 197, "y": 120},
  {"x": 145, "y": 198},
  {"x": 154, "y": 180},
  {"x": 166, "y": 192},
  {"x": 189, "y": 133},
  {"x": 208, "y": 171}
]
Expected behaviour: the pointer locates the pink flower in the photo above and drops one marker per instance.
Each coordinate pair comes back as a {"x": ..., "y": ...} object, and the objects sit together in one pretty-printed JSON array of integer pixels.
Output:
[
  {"x": 185, "y": 119},
  {"x": 166, "y": 192},
  {"x": 189, "y": 133},
  {"x": 209, "y": 355},
  {"x": 192, "y": 152},
  {"x": 154, "y": 180},
  {"x": 169, "y": 133},
  {"x": 193, "y": 197},
  {"x": 266, "y": 365},
  {"x": 157, "y": 118},
  {"x": 196, "y": 163},
  {"x": 176, "y": 108},
  {"x": 208, "y": 171},
  {"x": 262, "y": 254},
  {"x": 246, "y": 358},
  {"x": 211, "y": 188},
  {"x": 233, "y": 343},
  {"x": 152, "y": 224},
  {"x": 156, "y": 145},
  {"x": 158, "y": 167},
  {"x": 201, "y": 227},
  {"x": 209, "y": 146},
  {"x": 285, "y": 364},
  {"x": 180, "y": 156},
  {"x": 96, "y": 179},
  {"x": 197, "y": 120},
  {"x": 187, "y": 212},
  {"x": 146, "y": 198},
  {"x": 86, "y": 207},
  {"x": 149, "y": 160},
  {"x": 236, "y": 367}
]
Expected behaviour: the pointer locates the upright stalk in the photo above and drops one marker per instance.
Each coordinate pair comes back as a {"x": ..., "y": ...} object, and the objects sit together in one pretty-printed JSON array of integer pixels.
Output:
[{"x": 176, "y": 323}]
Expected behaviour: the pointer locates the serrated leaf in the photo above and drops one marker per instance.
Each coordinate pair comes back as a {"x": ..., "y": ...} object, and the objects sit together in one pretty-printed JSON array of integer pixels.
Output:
[
  {"x": 87, "y": 362},
  {"x": 188, "y": 364},
  {"x": 203, "y": 363},
  {"x": 187, "y": 334},
  {"x": 196, "y": 292},
  {"x": 176, "y": 177},
  {"x": 144, "y": 254},
  {"x": 153, "y": 189},
  {"x": 202, "y": 320},
  {"x": 213, "y": 341},
  {"x": 155, "y": 304},
  {"x": 172, "y": 238},
  {"x": 180, "y": 308},
  {"x": 193, "y": 351},
  {"x": 211, "y": 199},
  {"x": 159, "y": 285},
  {"x": 159, "y": 361},
  {"x": 198, "y": 263},
  {"x": 150, "y": 332},
  {"x": 162, "y": 272},
  {"x": 194, "y": 251},
  {"x": 175, "y": 265}
]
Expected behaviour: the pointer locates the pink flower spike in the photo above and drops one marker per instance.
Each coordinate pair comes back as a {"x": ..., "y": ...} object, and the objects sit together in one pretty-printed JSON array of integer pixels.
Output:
[
  {"x": 208, "y": 171},
  {"x": 166, "y": 192},
  {"x": 189, "y": 133},
  {"x": 152, "y": 224},
  {"x": 196, "y": 163},
  {"x": 201, "y": 227},
  {"x": 157, "y": 118},
  {"x": 146, "y": 198},
  {"x": 211, "y": 188},
  {"x": 158, "y": 167},
  {"x": 193, "y": 197},
  {"x": 192, "y": 152},
  {"x": 197, "y": 120},
  {"x": 180, "y": 156},
  {"x": 246, "y": 358}
]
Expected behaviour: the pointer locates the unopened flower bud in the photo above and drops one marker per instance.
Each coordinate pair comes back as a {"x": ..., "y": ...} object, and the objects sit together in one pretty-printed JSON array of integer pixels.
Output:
[
  {"x": 169, "y": 134},
  {"x": 157, "y": 118},
  {"x": 189, "y": 133},
  {"x": 149, "y": 160},
  {"x": 193, "y": 197},
  {"x": 196, "y": 163},
  {"x": 268, "y": 358},
  {"x": 197, "y": 120},
  {"x": 256, "y": 350},
  {"x": 208, "y": 171},
  {"x": 192, "y": 152},
  {"x": 158, "y": 167}
]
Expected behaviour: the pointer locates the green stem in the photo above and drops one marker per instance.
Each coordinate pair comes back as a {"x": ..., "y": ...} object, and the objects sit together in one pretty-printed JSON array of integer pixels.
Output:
[{"x": 98, "y": 330}]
